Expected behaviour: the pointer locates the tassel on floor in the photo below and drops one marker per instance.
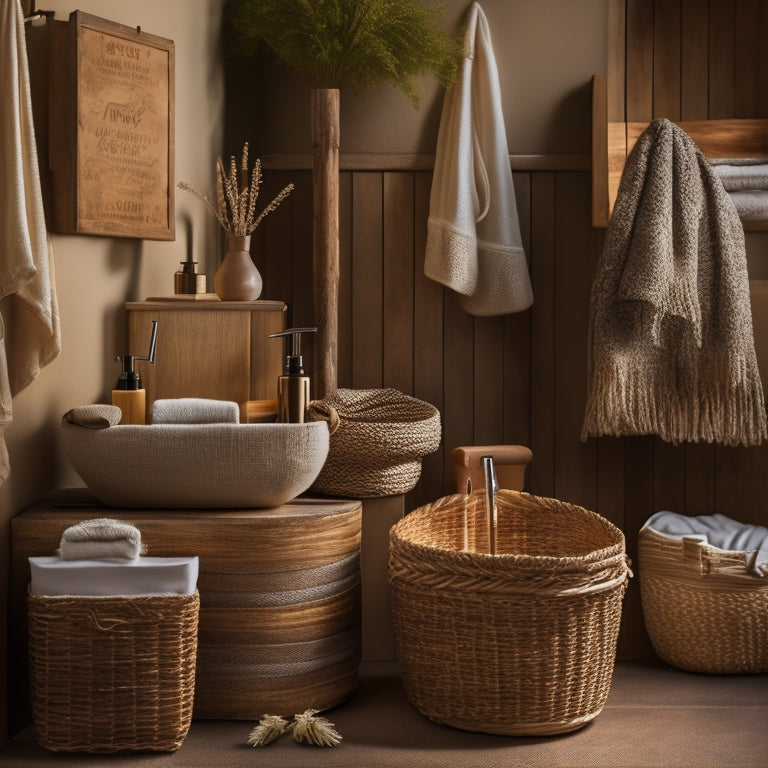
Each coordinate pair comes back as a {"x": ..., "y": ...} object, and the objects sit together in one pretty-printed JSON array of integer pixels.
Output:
[
  {"x": 315, "y": 730},
  {"x": 269, "y": 728}
]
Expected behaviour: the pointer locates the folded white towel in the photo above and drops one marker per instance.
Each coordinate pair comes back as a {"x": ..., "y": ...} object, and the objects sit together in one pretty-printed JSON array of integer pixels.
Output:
[
  {"x": 737, "y": 174},
  {"x": 195, "y": 410},
  {"x": 718, "y": 531},
  {"x": 53, "y": 576},
  {"x": 751, "y": 204},
  {"x": 474, "y": 245},
  {"x": 101, "y": 537}
]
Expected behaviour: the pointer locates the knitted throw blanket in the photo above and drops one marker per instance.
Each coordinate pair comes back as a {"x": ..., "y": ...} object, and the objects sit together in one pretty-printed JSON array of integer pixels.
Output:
[{"x": 671, "y": 350}]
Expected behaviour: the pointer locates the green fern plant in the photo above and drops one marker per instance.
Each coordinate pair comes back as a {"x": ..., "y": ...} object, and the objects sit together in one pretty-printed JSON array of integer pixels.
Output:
[{"x": 360, "y": 42}]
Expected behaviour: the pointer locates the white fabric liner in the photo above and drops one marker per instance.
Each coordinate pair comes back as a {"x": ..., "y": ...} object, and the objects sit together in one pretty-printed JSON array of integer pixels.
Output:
[
  {"x": 717, "y": 531},
  {"x": 113, "y": 577}
]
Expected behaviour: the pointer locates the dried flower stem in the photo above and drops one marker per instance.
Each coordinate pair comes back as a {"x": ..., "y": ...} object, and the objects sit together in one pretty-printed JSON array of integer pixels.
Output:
[
  {"x": 235, "y": 203},
  {"x": 268, "y": 729},
  {"x": 315, "y": 730}
]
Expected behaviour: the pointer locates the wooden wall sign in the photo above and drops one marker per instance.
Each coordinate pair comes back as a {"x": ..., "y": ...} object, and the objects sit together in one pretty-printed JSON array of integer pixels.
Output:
[{"x": 111, "y": 130}]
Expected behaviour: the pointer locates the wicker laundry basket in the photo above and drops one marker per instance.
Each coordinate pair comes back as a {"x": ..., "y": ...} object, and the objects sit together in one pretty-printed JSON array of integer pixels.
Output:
[
  {"x": 112, "y": 673},
  {"x": 377, "y": 448},
  {"x": 522, "y": 642},
  {"x": 704, "y": 611}
]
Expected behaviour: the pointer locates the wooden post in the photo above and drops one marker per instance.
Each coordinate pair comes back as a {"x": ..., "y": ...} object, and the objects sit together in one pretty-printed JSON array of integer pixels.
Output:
[{"x": 325, "y": 258}]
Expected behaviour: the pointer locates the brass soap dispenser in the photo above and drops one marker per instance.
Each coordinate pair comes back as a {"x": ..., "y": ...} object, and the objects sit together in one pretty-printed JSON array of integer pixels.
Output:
[{"x": 293, "y": 385}]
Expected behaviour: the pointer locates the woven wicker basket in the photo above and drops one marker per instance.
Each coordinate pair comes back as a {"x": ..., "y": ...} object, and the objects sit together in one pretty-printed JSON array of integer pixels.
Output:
[
  {"x": 520, "y": 643},
  {"x": 377, "y": 448},
  {"x": 111, "y": 674},
  {"x": 703, "y": 610}
]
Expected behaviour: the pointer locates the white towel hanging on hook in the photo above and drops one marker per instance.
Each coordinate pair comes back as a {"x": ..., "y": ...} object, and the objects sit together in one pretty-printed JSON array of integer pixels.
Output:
[{"x": 474, "y": 245}]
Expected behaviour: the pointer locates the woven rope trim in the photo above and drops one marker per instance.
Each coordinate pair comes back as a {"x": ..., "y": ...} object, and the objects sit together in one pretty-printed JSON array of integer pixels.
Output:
[{"x": 425, "y": 547}]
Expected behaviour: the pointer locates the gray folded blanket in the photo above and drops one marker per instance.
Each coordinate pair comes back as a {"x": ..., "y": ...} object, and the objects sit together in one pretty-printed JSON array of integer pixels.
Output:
[
  {"x": 718, "y": 531},
  {"x": 195, "y": 410},
  {"x": 101, "y": 537},
  {"x": 746, "y": 181}
]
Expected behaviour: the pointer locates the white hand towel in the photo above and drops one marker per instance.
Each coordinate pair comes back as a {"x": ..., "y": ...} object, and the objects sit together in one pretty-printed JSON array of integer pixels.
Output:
[
  {"x": 101, "y": 537},
  {"x": 474, "y": 244},
  {"x": 29, "y": 317}
]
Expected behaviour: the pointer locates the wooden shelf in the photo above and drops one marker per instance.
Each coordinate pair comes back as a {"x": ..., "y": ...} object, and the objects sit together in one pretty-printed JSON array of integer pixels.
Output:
[{"x": 613, "y": 141}]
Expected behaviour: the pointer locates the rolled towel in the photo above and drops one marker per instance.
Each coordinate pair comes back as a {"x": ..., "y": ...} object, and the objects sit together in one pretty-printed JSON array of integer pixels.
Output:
[
  {"x": 93, "y": 416},
  {"x": 101, "y": 537},
  {"x": 195, "y": 410}
]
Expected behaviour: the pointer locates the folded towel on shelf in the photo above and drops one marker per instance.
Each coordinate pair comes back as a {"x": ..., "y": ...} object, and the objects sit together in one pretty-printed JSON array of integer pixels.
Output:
[
  {"x": 751, "y": 204},
  {"x": 671, "y": 349},
  {"x": 101, "y": 537},
  {"x": 29, "y": 320},
  {"x": 742, "y": 173},
  {"x": 474, "y": 245},
  {"x": 718, "y": 531},
  {"x": 51, "y": 576},
  {"x": 195, "y": 410}
]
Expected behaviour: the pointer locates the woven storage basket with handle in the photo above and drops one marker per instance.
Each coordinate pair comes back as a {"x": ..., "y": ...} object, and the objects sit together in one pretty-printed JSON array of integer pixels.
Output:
[
  {"x": 377, "y": 448},
  {"x": 703, "y": 610},
  {"x": 112, "y": 673},
  {"x": 522, "y": 642}
]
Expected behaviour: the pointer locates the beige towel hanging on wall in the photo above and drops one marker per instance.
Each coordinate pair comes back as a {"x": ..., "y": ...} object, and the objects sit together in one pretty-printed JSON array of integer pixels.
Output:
[
  {"x": 29, "y": 318},
  {"x": 474, "y": 244},
  {"x": 671, "y": 349}
]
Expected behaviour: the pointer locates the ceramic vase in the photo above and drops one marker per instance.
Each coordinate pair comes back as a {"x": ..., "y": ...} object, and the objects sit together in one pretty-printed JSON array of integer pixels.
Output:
[{"x": 237, "y": 279}]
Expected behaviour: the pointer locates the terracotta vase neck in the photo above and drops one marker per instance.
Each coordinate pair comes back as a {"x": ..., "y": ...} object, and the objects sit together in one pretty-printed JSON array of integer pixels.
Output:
[{"x": 238, "y": 242}]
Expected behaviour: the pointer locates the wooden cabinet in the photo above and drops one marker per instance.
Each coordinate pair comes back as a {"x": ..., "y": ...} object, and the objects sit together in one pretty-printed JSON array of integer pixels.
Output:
[{"x": 212, "y": 349}]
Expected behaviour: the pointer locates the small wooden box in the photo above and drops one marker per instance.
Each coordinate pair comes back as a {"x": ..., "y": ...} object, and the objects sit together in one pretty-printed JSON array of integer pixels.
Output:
[{"x": 111, "y": 130}]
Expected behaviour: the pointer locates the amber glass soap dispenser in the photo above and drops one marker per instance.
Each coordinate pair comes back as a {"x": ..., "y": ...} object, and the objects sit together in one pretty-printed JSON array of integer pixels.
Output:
[
  {"x": 128, "y": 393},
  {"x": 293, "y": 391}
]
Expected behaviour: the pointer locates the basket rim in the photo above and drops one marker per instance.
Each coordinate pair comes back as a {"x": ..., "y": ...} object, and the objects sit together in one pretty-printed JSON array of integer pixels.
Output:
[{"x": 615, "y": 551}]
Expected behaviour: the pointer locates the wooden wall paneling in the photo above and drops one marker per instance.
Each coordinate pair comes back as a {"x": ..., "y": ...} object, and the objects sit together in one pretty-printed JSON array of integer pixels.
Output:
[
  {"x": 541, "y": 475},
  {"x": 746, "y": 52},
  {"x": 517, "y": 339},
  {"x": 575, "y": 461},
  {"x": 458, "y": 378},
  {"x": 273, "y": 251},
  {"x": 302, "y": 293},
  {"x": 699, "y": 479},
  {"x": 748, "y": 502},
  {"x": 721, "y": 51},
  {"x": 639, "y": 85},
  {"x": 427, "y": 340},
  {"x": 398, "y": 267},
  {"x": 666, "y": 59},
  {"x": 617, "y": 61},
  {"x": 762, "y": 62},
  {"x": 345, "y": 280},
  {"x": 367, "y": 331},
  {"x": 638, "y": 507},
  {"x": 694, "y": 63},
  {"x": 489, "y": 391},
  {"x": 728, "y": 489},
  {"x": 669, "y": 476}
]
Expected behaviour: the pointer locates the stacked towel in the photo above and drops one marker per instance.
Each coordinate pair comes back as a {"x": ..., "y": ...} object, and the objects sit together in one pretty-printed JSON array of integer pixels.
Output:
[
  {"x": 101, "y": 537},
  {"x": 474, "y": 244},
  {"x": 105, "y": 577},
  {"x": 671, "y": 350},
  {"x": 746, "y": 181},
  {"x": 29, "y": 321}
]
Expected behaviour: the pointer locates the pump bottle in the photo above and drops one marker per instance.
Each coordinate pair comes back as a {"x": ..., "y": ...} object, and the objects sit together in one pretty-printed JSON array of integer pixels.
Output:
[
  {"x": 128, "y": 393},
  {"x": 293, "y": 387}
]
